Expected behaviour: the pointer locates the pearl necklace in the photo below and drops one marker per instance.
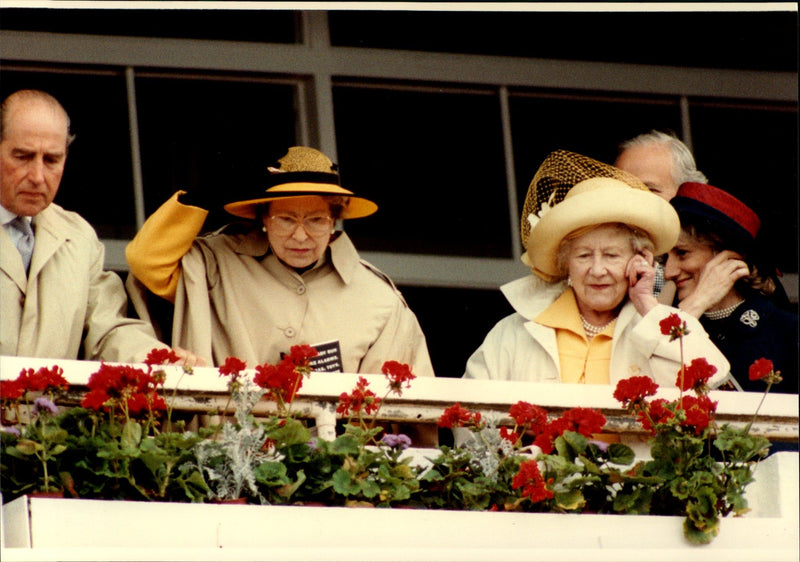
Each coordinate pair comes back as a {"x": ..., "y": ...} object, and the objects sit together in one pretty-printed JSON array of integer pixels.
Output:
[
  {"x": 592, "y": 330},
  {"x": 722, "y": 313}
]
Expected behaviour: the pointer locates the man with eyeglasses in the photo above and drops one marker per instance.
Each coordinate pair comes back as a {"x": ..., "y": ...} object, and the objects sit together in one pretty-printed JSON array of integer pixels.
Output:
[{"x": 287, "y": 278}]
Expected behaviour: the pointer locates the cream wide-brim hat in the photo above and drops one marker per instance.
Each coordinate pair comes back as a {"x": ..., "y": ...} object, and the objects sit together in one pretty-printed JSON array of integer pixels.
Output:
[
  {"x": 303, "y": 172},
  {"x": 597, "y": 201}
]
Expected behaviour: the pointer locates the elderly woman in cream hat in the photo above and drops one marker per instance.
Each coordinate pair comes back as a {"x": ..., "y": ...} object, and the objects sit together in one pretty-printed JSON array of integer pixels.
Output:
[
  {"x": 588, "y": 314},
  {"x": 287, "y": 278}
]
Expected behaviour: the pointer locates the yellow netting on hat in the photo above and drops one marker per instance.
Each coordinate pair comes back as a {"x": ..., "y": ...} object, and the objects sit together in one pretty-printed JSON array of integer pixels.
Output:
[
  {"x": 555, "y": 177},
  {"x": 304, "y": 159}
]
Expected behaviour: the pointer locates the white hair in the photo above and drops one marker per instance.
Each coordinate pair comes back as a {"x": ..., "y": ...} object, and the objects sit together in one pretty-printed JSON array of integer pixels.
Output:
[{"x": 684, "y": 167}]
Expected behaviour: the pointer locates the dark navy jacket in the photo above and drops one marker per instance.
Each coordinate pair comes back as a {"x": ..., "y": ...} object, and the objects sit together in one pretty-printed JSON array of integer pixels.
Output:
[{"x": 756, "y": 329}]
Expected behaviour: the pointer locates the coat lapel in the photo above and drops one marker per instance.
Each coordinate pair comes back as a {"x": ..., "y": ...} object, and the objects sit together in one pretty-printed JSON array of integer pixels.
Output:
[{"x": 48, "y": 240}]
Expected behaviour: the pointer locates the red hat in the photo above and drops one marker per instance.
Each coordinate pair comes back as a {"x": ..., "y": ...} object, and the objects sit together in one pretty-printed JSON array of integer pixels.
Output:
[{"x": 718, "y": 206}]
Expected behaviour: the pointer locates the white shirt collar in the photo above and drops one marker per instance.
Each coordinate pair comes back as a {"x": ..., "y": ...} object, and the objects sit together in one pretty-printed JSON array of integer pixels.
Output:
[{"x": 7, "y": 216}]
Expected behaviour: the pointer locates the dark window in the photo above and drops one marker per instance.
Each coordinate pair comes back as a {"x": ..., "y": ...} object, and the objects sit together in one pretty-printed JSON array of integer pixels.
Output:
[
  {"x": 432, "y": 160},
  {"x": 592, "y": 126},
  {"x": 97, "y": 180},
  {"x": 752, "y": 153},
  {"x": 455, "y": 322},
  {"x": 265, "y": 26},
  {"x": 746, "y": 40},
  {"x": 211, "y": 135}
]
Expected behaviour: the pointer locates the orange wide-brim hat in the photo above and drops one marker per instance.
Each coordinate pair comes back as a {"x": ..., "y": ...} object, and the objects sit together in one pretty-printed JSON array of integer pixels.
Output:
[{"x": 303, "y": 172}]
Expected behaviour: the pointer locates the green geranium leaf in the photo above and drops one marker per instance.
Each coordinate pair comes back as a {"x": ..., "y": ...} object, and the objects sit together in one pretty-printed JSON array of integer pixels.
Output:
[
  {"x": 58, "y": 449},
  {"x": 344, "y": 484},
  {"x": 370, "y": 488},
  {"x": 131, "y": 436},
  {"x": 431, "y": 475},
  {"x": 286, "y": 491},
  {"x": 293, "y": 432},
  {"x": 571, "y": 444},
  {"x": 344, "y": 445},
  {"x": 635, "y": 502},
  {"x": 570, "y": 500},
  {"x": 53, "y": 434},
  {"x": 589, "y": 466},
  {"x": 619, "y": 453},
  {"x": 26, "y": 447},
  {"x": 271, "y": 473},
  {"x": 697, "y": 536}
]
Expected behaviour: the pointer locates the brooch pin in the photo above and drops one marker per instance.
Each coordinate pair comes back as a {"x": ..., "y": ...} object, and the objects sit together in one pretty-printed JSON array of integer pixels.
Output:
[{"x": 750, "y": 318}]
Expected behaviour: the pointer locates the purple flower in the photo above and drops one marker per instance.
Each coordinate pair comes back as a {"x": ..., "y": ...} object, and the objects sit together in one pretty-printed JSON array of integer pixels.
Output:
[
  {"x": 602, "y": 445},
  {"x": 312, "y": 443},
  {"x": 10, "y": 429},
  {"x": 395, "y": 440},
  {"x": 44, "y": 404}
]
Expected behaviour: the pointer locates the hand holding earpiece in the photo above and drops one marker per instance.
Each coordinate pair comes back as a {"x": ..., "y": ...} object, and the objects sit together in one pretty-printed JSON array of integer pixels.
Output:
[{"x": 641, "y": 278}]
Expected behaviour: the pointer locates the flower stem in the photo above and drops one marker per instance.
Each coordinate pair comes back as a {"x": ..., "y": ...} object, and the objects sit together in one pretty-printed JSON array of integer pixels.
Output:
[{"x": 755, "y": 415}]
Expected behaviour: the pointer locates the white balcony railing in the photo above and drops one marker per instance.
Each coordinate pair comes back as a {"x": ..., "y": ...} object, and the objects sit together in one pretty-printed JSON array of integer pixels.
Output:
[
  {"x": 67, "y": 529},
  {"x": 424, "y": 402}
]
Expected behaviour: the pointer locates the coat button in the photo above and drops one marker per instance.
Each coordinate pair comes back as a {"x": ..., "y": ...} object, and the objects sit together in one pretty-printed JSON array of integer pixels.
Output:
[
  {"x": 290, "y": 332},
  {"x": 301, "y": 289}
]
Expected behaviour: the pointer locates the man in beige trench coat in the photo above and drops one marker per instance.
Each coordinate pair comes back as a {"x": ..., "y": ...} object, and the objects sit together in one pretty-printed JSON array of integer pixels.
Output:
[{"x": 56, "y": 301}]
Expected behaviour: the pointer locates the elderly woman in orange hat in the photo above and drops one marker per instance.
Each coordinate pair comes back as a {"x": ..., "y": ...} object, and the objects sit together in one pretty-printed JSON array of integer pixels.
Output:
[
  {"x": 714, "y": 266},
  {"x": 588, "y": 314},
  {"x": 288, "y": 278}
]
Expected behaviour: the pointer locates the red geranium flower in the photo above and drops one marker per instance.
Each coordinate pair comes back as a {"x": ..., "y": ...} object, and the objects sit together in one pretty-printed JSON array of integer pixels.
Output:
[
  {"x": 584, "y": 420},
  {"x": 696, "y": 375},
  {"x": 549, "y": 433},
  {"x": 761, "y": 368},
  {"x": 232, "y": 366},
  {"x": 301, "y": 355},
  {"x": 510, "y": 436},
  {"x": 43, "y": 379},
  {"x": 673, "y": 327},
  {"x": 95, "y": 400},
  {"x": 530, "y": 479},
  {"x": 524, "y": 413},
  {"x": 457, "y": 416},
  {"x": 122, "y": 386},
  {"x": 655, "y": 413},
  {"x": 361, "y": 398},
  {"x": 281, "y": 382},
  {"x": 632, "y": 391},
  {"x": 398, "y": 374},
  {"x": 160, "y": 357},
  {"x": 12, "y": 389},
  {"x": 699, "y": 410}
]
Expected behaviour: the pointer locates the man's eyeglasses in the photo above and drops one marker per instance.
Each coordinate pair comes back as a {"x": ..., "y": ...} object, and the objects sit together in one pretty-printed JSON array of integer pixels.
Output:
[{"x": 316, "y": 225}]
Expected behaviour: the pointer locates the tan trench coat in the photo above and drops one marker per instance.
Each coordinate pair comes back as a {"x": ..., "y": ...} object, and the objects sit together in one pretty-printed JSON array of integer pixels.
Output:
[
  {"x": 68, "y": 307},
  {"x": 235, "y": 298}
]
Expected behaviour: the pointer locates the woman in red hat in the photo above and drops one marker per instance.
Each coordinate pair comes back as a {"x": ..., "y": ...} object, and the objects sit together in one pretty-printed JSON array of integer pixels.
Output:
[{"x": 714, "y": 268}]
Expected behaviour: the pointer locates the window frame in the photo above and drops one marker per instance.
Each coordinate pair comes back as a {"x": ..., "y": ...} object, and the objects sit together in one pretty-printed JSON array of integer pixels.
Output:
[{"x": 313, "y": 65}]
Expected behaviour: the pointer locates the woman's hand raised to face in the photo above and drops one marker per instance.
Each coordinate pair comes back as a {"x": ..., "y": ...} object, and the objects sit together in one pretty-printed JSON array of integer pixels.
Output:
[
  {"x": 641, "y": 278},
  {"x": 716, "y": 281}
]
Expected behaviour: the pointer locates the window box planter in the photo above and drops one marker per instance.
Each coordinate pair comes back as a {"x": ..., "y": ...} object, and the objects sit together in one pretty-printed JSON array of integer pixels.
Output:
[{"x": 73, "y": 529}]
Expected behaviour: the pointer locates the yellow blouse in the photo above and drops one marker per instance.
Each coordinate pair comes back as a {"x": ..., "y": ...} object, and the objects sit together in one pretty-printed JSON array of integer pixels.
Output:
[{"x": 581, "y": 360}]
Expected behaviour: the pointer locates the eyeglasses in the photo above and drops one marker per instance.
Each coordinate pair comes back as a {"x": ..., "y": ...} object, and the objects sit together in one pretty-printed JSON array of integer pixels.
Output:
[{"x": 316, "y": 225}]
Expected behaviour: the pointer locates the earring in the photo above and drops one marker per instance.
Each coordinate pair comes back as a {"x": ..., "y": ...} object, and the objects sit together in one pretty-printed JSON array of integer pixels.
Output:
[
  {"x": 569, "y": 281},
  {"x": 263, "y": 229}
]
